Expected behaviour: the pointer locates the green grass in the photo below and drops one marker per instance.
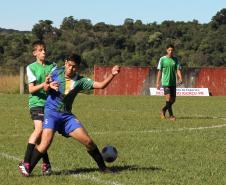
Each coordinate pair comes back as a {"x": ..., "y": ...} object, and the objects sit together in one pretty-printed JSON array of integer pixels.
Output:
[{"x": 151, "y": 151}]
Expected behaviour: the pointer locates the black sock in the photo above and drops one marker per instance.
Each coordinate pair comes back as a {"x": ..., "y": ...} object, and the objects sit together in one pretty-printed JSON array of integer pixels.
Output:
[
  {"x": 96, "y": 155},
  {"x": 164, "y": 108},
  {"x": 169, "y": 107},
  {"x": 36, "y": 156},
  {"x": 45, "y": 158},
  {"x": 28, "y": 153}
]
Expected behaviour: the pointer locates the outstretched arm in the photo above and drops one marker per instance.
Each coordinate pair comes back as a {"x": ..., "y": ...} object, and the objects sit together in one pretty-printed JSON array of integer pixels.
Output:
[{"x": 100, "y": 85}]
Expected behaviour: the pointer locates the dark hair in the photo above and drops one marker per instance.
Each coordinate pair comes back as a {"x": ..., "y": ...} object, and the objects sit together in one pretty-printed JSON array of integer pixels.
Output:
[
  {"x": 74, "y": 57},
  {"x": 37, "y": 43},
  {"x": 170, "y": 46}
]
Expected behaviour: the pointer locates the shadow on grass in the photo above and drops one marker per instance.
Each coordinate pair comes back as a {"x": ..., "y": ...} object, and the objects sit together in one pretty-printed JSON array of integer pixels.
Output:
[{"x": 115, "y": 169}]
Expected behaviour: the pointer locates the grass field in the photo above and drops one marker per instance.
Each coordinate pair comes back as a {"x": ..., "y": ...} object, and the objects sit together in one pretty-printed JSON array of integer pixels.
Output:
[{"x": 190, "y": 151}]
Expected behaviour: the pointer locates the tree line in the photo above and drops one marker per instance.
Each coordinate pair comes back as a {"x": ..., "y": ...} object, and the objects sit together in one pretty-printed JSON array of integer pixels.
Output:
[{"x": 130, "y": 44}]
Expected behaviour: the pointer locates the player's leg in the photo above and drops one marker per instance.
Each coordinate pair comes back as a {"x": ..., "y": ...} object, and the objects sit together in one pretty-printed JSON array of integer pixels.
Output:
[
  {"x": 74, "y": 129},
  {"x": 25, "y": 166},
  {"x": 33, "y": 139},
  {"x": 49, "y": 128},
  {"x": 172, "y": 101},
  {"x": 41, "y": 149},
  {"x": 82, "y": 136},
  {"x": 167, "y": 105},
  {"x": 37, "y": 114},
  {"x": 46, "y": 166}
]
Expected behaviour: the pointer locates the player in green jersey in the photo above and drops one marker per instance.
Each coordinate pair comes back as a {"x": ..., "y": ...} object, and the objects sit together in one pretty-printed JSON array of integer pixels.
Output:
[
  {"x": 37, "y": 75},
  {"x": 168, "y": 70}
]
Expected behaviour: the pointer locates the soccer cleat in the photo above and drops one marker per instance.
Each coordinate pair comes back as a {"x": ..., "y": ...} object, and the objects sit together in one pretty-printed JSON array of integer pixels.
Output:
[
  {"x": 24, "y": 168},
  {"x": 46, "y": 169},
  {"x": 172, "y": 118},
  {"x": 162, "y": 115}
]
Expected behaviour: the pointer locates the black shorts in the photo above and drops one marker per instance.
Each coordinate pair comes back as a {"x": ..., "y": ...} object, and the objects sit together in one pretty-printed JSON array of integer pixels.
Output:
[
  {"x": 170, "y": 90},
  {"x": 37, "y": 113}
]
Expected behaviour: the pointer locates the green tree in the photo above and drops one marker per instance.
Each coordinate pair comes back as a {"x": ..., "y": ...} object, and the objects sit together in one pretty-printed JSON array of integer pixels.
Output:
[
  {"x": 219, "y": 18},
  {"x": 43, "y": 28},
  {"x": 68, "y": 23}
]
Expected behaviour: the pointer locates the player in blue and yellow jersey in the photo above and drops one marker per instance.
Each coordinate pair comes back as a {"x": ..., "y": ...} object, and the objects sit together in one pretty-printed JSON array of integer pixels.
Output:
[
  {"x": 66, "y": 84},
  {"x": 168, "y": 70},
  {"x": 37, "y": 75}
]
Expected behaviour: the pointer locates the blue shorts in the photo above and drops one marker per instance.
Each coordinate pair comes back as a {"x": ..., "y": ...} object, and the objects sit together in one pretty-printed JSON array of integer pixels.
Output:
[{"x": 62, "y": 122}]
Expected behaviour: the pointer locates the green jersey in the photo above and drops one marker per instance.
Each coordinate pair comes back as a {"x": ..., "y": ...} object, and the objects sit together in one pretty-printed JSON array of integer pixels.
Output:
[
  {"x": 36, "y": 73},
  {"x": 168, "y": 66}
]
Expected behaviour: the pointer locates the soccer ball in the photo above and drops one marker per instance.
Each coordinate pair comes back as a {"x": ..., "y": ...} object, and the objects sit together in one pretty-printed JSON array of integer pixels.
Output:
[{"x": 109, "y": 153}]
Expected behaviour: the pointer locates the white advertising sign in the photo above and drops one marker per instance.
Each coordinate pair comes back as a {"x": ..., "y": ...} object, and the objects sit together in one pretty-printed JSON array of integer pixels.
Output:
[{"x": 182, "y": 92}]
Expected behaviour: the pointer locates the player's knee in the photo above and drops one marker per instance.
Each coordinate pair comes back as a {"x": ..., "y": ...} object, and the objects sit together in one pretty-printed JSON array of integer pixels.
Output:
[
  {"x": 44, "y": 145},
  {"x": 89, "y": 143},
  {"x": 172, "y": 101}
]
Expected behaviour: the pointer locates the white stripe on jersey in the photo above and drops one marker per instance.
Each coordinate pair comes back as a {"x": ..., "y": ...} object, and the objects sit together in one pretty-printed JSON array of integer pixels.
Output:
[{"x": 30, "y": 76}]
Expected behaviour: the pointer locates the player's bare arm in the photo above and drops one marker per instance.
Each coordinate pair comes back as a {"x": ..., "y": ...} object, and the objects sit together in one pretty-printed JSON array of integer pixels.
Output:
[
  {"x": 100, "y": 85},
  {"x": 180, "y": 81},
  {"x": 32, "y": 87},
  {"x": 158, "y": 80}
]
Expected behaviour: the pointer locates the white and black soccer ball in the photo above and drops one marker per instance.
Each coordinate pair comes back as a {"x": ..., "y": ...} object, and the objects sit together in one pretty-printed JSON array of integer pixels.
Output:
[{"x": 109, "y": 153}]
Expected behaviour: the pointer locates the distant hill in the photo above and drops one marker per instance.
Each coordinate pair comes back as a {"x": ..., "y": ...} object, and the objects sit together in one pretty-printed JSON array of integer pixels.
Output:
[{"x": 4, "y": 30}]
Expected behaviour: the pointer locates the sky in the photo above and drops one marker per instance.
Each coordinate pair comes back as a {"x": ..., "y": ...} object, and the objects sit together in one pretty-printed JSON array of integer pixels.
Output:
[{"x": 24, "y": 14}]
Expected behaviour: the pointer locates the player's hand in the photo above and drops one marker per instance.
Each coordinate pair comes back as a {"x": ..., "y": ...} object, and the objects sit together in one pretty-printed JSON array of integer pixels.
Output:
[
  {"x": 158, "y": 86},
  {"x": 115, "y": 70},
  {"x": 180, "y": 82},
  {"x": 45, "y": 86},
  {"x": 54, "y": 85},
  {"x": 48, "y": 79}
]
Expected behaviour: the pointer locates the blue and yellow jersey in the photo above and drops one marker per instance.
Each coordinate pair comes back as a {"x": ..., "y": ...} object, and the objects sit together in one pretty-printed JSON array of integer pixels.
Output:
[{"x": 62, "y": 100}]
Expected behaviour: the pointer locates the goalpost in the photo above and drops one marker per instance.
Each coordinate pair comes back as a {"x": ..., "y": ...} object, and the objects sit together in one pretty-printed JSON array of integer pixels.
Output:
[{"x": 22, "y": 81}]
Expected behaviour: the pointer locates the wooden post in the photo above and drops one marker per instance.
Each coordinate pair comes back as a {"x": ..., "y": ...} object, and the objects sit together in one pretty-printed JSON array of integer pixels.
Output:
[{"x": 21, "y": 79}]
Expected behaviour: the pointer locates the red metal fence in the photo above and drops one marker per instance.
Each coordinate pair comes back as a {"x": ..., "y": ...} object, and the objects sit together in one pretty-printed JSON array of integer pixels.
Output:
[
  {"x": 129, "y": 81},
  {"x": 138, "y": 80},
  {"x": 214, "y": 79}
]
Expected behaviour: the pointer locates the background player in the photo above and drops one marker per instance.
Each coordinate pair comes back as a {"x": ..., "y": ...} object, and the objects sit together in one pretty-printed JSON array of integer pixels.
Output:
[{"x": 168, "y": 69}]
